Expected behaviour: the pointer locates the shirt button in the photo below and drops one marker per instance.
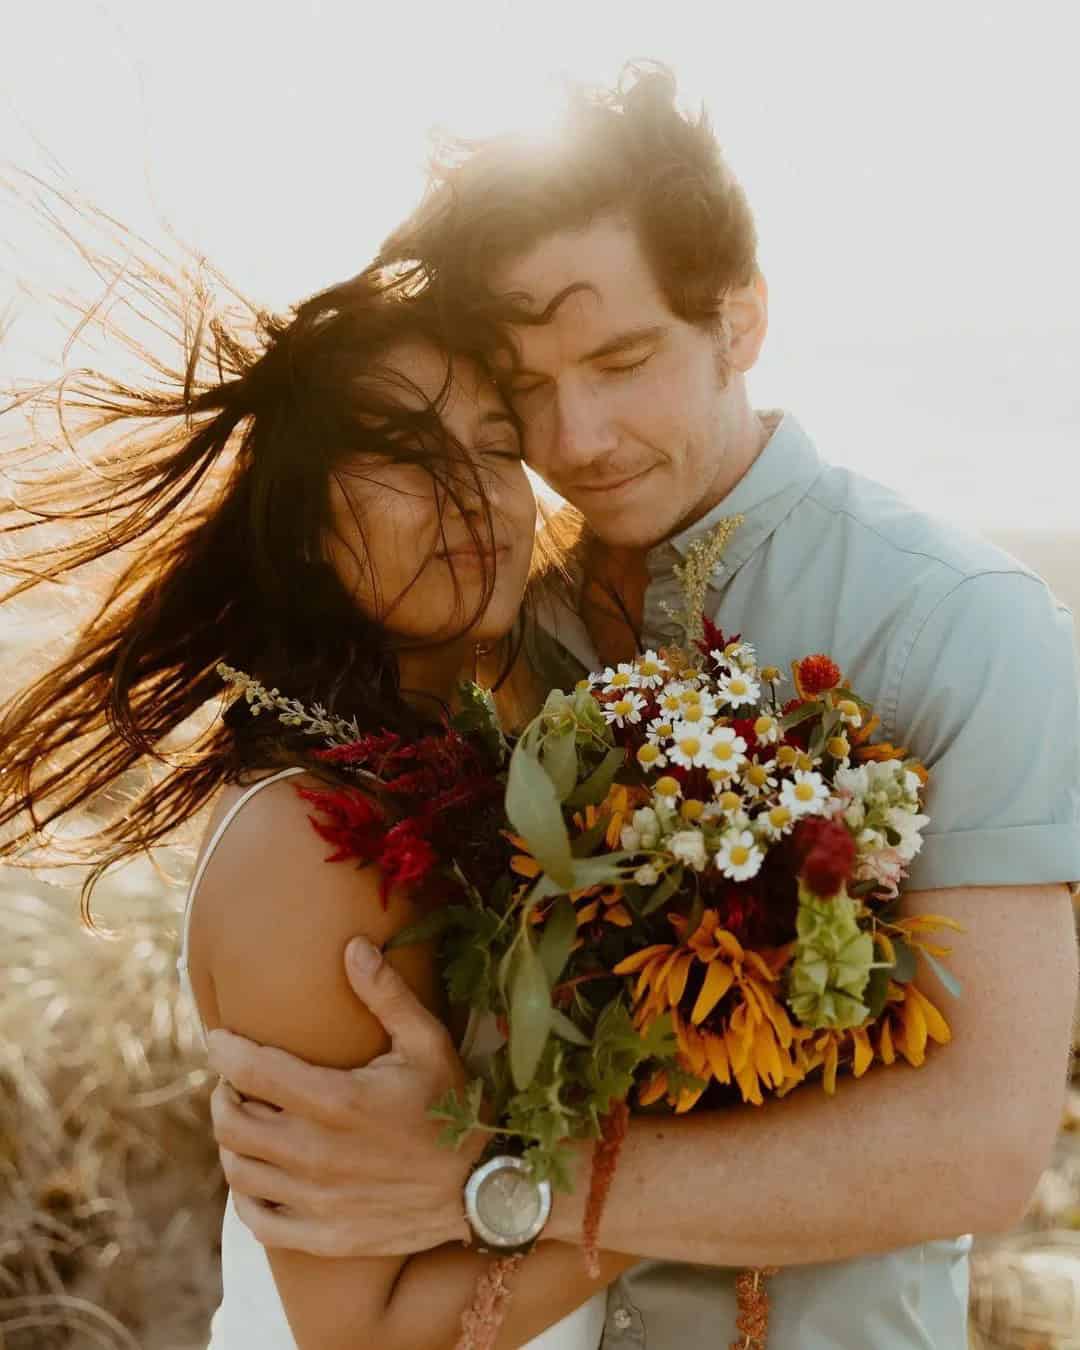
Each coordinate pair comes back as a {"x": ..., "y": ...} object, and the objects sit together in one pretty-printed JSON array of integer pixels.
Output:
[{"x": 622, "y": 1319}]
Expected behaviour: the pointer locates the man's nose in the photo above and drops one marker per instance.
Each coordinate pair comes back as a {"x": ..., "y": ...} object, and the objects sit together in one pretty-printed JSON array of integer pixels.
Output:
[{"x": 583, "y": 426}]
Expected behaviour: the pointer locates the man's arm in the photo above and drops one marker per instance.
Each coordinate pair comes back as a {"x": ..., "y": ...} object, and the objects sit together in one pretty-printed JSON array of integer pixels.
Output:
[{"x": 901, "y": 1156}]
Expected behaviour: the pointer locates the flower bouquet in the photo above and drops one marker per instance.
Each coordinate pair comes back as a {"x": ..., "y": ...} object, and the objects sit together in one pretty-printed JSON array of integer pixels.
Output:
[{"x": 689, "y": 895}]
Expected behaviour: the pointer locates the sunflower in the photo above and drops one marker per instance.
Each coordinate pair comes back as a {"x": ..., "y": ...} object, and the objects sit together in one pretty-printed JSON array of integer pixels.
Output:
[{"x": 750, "y": 1043}]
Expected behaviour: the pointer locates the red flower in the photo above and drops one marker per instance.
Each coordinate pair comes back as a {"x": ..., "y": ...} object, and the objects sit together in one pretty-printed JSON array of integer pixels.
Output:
[
  {"x": 815, "y": 674},
  {"x": 406, "y": 858},
  {"x": 356, "y": 825},
  {"x": 826, "y": 853}
]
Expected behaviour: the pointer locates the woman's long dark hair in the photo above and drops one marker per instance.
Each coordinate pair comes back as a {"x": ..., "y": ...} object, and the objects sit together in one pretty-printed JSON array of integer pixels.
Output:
[{"x": 208, "y": 495}]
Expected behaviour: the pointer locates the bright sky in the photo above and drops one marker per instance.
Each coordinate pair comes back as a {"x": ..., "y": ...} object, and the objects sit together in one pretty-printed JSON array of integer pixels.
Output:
[{"x": 911, "y": 168}]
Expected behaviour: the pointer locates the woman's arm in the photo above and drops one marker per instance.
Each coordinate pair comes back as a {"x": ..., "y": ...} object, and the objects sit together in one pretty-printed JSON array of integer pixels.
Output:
[{"x": 268, "y": 931}]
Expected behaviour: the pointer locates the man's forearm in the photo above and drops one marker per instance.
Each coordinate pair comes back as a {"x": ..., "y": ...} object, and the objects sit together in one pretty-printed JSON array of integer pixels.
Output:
[{"x": 889, "y": 1161}]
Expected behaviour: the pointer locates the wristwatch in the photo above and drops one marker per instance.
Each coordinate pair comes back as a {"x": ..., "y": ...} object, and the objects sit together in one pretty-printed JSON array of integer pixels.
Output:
[{"x": 505, "y": 1208}]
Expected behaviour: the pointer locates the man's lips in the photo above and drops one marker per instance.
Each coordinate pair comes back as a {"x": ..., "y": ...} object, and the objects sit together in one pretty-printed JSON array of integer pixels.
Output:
[{"x": 611, "y": 484}]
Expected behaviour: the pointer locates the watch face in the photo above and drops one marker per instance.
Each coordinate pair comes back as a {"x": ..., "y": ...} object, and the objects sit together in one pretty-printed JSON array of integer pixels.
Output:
[{"x": 504, "y": 1203}]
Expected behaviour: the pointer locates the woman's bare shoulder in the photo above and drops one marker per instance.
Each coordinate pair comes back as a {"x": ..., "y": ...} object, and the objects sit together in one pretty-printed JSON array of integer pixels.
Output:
[{"x": 271, "y": 921}]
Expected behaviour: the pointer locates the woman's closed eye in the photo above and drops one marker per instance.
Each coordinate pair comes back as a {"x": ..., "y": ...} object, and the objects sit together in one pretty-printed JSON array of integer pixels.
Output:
[{"x": 629, "y": 367}]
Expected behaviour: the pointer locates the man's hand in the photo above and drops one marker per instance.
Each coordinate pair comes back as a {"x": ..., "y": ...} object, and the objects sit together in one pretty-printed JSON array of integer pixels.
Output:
[{"x": 345, "y": 1163}]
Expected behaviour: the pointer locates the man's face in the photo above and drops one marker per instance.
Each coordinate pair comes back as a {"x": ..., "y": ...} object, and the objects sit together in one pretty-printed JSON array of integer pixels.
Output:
[{"x": 625, "y": 407}]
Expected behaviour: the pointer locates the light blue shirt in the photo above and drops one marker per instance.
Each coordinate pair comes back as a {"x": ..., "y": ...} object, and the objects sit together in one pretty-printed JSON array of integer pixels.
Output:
[{"x": 970, "y": 661}]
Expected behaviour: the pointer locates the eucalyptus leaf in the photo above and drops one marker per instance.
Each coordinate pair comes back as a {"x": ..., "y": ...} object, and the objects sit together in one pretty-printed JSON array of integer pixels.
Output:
[
  {"x": 664, "y": 891},
  {"x": 904, "y": 969},
  {"x": 595, "y": 788},
  {"x": 560, "y": 761},
  {"x": 530, "y": 1015},
  {"x": 947, "y": 978},
  {"x": 877, "y": 989},
  {"x": 560, "y": 930},
  {"x": 803, "y": 713},
  {"x": 533, "y": 807},
  {"x": 430, "y": 926},
  {"x": 582, "y": 845},
  {"x": 569, "y": 1031}
]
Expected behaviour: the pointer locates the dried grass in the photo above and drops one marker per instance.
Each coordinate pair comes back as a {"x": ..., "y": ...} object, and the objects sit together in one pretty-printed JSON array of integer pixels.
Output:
[{"x": 112, "y": 1196}]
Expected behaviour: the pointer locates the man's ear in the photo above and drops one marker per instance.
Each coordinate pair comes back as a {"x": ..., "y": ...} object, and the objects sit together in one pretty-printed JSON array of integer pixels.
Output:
[{"x": 747, "y": 312}]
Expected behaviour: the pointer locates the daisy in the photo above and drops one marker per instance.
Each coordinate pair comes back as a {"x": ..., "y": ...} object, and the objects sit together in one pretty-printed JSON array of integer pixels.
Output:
[
  {"x": 775, "y": 823},
  {"x": 650, "y": 670},
  {"x": 739, "y": 857},
  {"x": 757, "y": 777},
  {"x": 659, "y": 729},
  {"x": 691, "y": 746},
  {"x": 806, "y": 795},
  {"x": 738, "y": 689},
  {"x": 670, "y": 698},
  {"x": 625, "y": 709},
  {"x": 728, "y": 750},
  {"x": 650, "y": 756},
  {"x": 767, "y": 729},
  {"x": 624, "y": 676}
]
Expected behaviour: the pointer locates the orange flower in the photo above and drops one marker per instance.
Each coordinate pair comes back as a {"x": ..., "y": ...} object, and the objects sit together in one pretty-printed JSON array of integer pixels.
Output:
[
  {"x": 751, "y": 1045},
  {"x": 909, "y": 1021}
]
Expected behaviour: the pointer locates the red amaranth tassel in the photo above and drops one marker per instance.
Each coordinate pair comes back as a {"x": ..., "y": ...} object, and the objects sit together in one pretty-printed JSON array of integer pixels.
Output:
[
  {"x": 480, "y": 1322},
  {"x": 753, "y": 1301},
  {"x": 605, "y": 1156}
]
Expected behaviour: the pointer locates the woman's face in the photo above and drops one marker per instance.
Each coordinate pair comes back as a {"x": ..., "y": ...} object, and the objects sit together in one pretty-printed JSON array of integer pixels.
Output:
[{"x": 402, "y": 545}]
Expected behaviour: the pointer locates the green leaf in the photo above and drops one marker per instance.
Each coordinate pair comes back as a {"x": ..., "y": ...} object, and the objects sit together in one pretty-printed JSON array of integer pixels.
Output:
[
  {"x": 947, "y": 978},
  {"x": 530, "y": 1015},
  {"x": 904, "y": 970},
  {"x": 877, "y": 989},
  {"x": 430, "y": 926},
  {"x": 569, "y": 1031},
  {"x": 582, "y": 845},
  {"x": 560, "y": 761},
  {"x": 598, "y": 871},
  {"x": 477, "y": 716},
  {"x": 664, "y": 891},
  {"x": 560, "y": 930},
  {"x": 803, "y": 713},
  {"x": 596, "y": 787},
  {"x": 533, "y": 807}
]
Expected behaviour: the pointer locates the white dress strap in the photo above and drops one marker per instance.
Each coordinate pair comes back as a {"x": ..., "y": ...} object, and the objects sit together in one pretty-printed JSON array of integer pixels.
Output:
[{"x": 215, "y": 839}]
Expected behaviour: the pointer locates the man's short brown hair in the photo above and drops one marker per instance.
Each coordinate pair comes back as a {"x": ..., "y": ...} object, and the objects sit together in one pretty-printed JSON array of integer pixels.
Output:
[{"x": 628, "y": 152}]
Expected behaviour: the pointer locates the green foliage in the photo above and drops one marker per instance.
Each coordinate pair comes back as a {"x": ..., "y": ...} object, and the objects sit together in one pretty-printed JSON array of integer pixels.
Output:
[
  {"x": 833, "y": 960},
  {"x": 477, "y": 717}
]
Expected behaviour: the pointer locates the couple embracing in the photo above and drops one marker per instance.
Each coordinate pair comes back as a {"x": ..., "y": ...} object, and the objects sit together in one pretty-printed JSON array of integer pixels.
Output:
[{"x": 344, "y": 512}]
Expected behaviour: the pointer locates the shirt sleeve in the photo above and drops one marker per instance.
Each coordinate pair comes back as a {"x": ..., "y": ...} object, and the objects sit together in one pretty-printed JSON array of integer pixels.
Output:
[{"x": 988, "y": 700}]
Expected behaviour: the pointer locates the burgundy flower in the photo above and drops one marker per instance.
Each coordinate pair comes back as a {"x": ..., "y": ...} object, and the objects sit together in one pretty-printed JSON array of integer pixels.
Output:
[
  {"x": 355, "y": 826},
  {"x": 826, "y": 854},
  {"x": 406, "y": 858}
]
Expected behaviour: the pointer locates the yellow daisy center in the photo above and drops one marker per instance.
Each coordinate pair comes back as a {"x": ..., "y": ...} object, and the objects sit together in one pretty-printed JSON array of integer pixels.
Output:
[
  {"x": 847, "y": 708},
  {"x": 690, "y": 745},
  {"x": 694, "y": 713},
  {"x": 692, "y": 810},
  {"x": 723, "y": 751},
  {"x": 757, "y": 774},
  {"x": 804, "y": 762},
  {"x": 804, "y": 792},
  {"x": 648, "y": 754},
  {"x": 622, "y": 706},
  {"x": 671, "y": 702},
  {"x": 667, "y": 786},
  {"x": 740, "y": 854},
  {"x": 663, "y": 729},
  {"x": 738, "y": 685},
  {"x": 839, "y": 747},
  {"x": 649, "y": 668},
  {"x": 779, "y": 816},
  {"x": 764, "y": 726},
  {"x": 621, "y": 680},
  {"x": 786, "y": 755},
  {"x": 770, "y": 674},
  {"x": 730, "y": 801}
]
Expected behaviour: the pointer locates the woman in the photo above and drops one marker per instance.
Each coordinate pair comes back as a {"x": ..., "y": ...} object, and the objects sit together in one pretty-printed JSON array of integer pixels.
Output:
[{"x": 342, "y": 512}]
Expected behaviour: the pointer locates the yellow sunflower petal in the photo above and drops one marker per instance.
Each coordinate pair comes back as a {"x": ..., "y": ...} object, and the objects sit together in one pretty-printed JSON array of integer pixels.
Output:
[
  {"x": 747, "y": 1079},
  {"x": 618, "y": 916},
  {"x": 864, "y": 1052},
  {"x": 766, "y": 1060},
  {"x": 588, "y": 912},
  {"x": 719, "y": 977},
  {"x": 687, "y": 1098},
  {"x": 927, "y": 923},
  {"x": 717, "y": 1056},
  {"x": 936, "y": 1027},
  {"x": 888, "y": 951},
  {"x": 832, "y": 1060},
  {"x": 729, "y": 944},
  {"x": 695, "y": 1052},
  {"x": 524, "y": 866},
  {"x": 654, "y": 1089},
  {"x": 636, "y": 960},
  {"x": 913, "y": 1022},
  {"x": 676, "y": 981},
  {"x": 886, "y": 1049}
]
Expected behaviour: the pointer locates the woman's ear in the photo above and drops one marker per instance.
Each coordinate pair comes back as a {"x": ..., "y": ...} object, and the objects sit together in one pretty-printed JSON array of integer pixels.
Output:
[{"x": 746, "y": 310}]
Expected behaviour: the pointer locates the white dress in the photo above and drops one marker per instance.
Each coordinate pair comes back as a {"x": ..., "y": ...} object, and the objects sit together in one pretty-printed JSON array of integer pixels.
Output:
[{"x": 250, "y": 1315}]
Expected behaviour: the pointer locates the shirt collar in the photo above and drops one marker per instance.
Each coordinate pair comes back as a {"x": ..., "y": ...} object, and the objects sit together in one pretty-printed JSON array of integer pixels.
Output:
[{"x": 767, "y": 493}]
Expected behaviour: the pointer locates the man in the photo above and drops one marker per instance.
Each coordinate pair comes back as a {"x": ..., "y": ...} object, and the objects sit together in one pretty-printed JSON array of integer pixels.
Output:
[{"x": 614, "y": 275}]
